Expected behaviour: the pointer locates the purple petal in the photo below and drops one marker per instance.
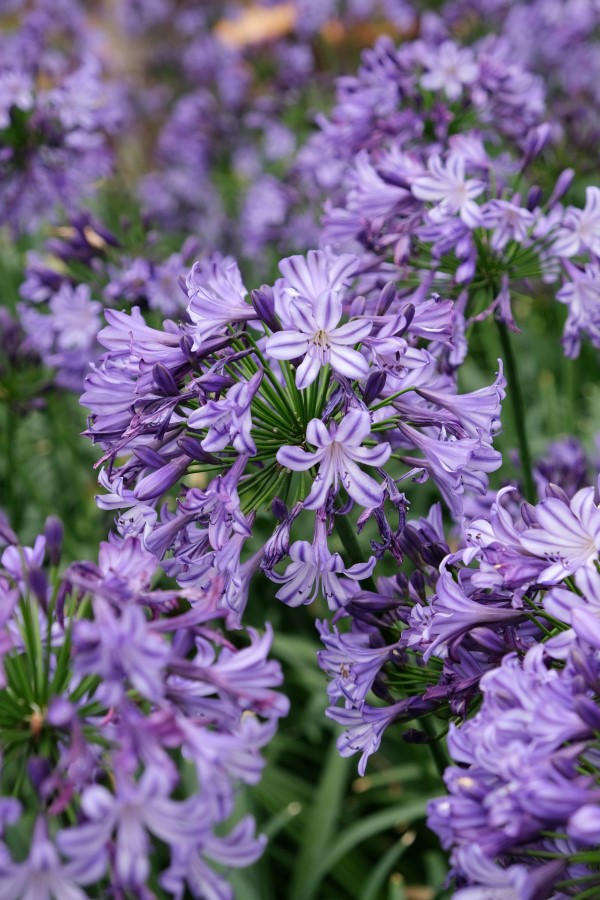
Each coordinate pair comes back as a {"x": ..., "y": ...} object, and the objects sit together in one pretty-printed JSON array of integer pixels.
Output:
[
  {"x": 317, "y": 434},
  {"x": 308, "y": 370},
  {"x": 348, "y": 362},
  {"x": 328, "y": 310},
  {"x": 352, "y": 332},
  {"x": 354, "y": 428},
  {"x": 296, "y": 459},
  {"x": 361, "y": 487},
  {"x": 286, "y": 345}
]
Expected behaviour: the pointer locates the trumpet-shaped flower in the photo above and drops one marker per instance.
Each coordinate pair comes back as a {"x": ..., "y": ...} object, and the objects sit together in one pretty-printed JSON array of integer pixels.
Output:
[
  {"x": 338, "y": 452},
  {"x": 448, "y": 186},
  {"x": 317, "y": 336}
]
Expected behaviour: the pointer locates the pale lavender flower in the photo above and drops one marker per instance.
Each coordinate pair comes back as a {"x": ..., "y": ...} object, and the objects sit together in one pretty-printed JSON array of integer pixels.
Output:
[
  {"x": 339, "y": 449},
  {"x": 308, "y": 278},
  {"x": 120, "y": 649},
  {"x": 581, "y": 227},
  {"x": 320, "y": 340},
  {"x": 136, "y": 810},
  {"x": 315, "y": 570},
  {"x": 449, "y": 68},
  {"x": 582, "y": 297},
  {"x": 217, "y": 297},
  {"x": 75, "y": 317},
  {"x": 566, "y": 533},
  {"x": 448, "y": 186},
  {"x": 229, "y": 421},
  {"x": 44, "y": 876}
]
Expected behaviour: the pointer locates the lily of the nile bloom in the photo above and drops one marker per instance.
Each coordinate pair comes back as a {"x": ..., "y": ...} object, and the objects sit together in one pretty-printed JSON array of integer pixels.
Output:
[
  {"x": 133, "y": 811},
  {"x": 315, "y": 570},
  {"x": 452, "y": 613},
  {"x": 448, "y": 186},
  {"x": 449, "y": 68},
  {"x": 338, "y": 452},
  {"x": 580, "y": 227},
  {"x": 582, "y": 296},
  {"x": 44, "y": 876},
  {"x": 229, "y": 420},
  {"x": 217, "y": 297},
  {"x": 567, "y": 534},
  {"x": 311, "y": 320}
]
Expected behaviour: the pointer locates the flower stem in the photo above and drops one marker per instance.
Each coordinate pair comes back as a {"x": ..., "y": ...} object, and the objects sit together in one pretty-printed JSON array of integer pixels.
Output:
[
  {"x": 354, "y": 554},
  {"x": 518, "y": 408},
  {"x": 438, "y": 753}
]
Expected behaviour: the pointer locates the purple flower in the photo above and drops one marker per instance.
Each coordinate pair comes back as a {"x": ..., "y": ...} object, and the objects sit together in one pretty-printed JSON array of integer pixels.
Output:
[
  {"x": 229, "y": 421},
  {"x": 582, "y": 296},
  {"x": 448, "y": 186},
  {"x": 581, "y": 227},
  {"x": 119, "y": 648},
  {"x": 314, "y": 569},
  {"x": 217, "y": 297},
  {"x": 135, "y": 810},
  {"x": 44, "y": 876},
  {"x": 567, "y": 535},
  {"x": 317, "y": 338},
  {"x": 338, "y": 452},
  {"x": 449, "y": 68}
]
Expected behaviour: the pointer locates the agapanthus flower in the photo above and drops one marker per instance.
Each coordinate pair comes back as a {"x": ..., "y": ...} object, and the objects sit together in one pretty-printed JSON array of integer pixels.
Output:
[
  {"x": 117, "y": 676},
  {"x": 339, "y": 449}
]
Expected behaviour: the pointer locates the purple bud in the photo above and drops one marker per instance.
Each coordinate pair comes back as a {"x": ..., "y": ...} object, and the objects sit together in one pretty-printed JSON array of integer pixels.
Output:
[
  {"x": 588, "y": 710},
  {"x": 386, "y": 297},
  {"x": 418, "y": 584},
  {"x": 193, "y": 448},
  {"x": 7, "y": 535},
  {"x": 60, "y": 712},
  {"x": 38, "y": 585},
  {"x": 53, "y": 532},
  {"x": 374, "y": 386},
  {"x": 214, "y": 383},
  {"x": 563, "y": 183},
  {"x": 409, "y": 313},
  {"x": 149, "y": 457},
  {"x": 164, "y": 381},
  {"x": 263, "y": 302},
  {"x": 279, "y": 509},
  {"x": 155, "y": 484},
  {"x": 534, "y": 197},
  {"x": 553, "y": 490},
  {"x": 535, "y": 142},
  {"x": 38, "y": 769},
  {"x": 185, "y": 345},
  {"x": 528, "y": 514}
]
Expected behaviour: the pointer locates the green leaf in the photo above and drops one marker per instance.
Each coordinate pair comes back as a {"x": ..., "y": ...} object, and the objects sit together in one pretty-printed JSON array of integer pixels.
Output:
[
  {"x": 324, "y": 814},
  {"x": 356, "y": 834}
]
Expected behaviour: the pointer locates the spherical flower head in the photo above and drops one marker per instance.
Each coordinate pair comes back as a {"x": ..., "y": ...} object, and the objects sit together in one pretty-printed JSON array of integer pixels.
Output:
[{"x": 338, "y": 452}]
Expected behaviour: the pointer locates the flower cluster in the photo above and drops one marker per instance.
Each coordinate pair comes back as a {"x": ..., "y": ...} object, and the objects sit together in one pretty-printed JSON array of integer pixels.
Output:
[
  {"x": 82, "y": 269},
  {"x": 283, "y": 401},
  {"x": 564, "y": 52},
  {"x": 128, "y": 721},
  {"x": 524, "y": 787},
  {"x": 520, "y": 630},
  {"x": 424, "y": 162},
  {"x": 57, "y": 113}
]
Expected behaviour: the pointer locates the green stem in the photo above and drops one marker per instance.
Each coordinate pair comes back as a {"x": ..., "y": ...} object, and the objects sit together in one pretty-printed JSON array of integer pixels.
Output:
[
  {"x": 438, "y": 753},
  {"x": 518, "y": 408},
  {"x": 354, "y": 554}
]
